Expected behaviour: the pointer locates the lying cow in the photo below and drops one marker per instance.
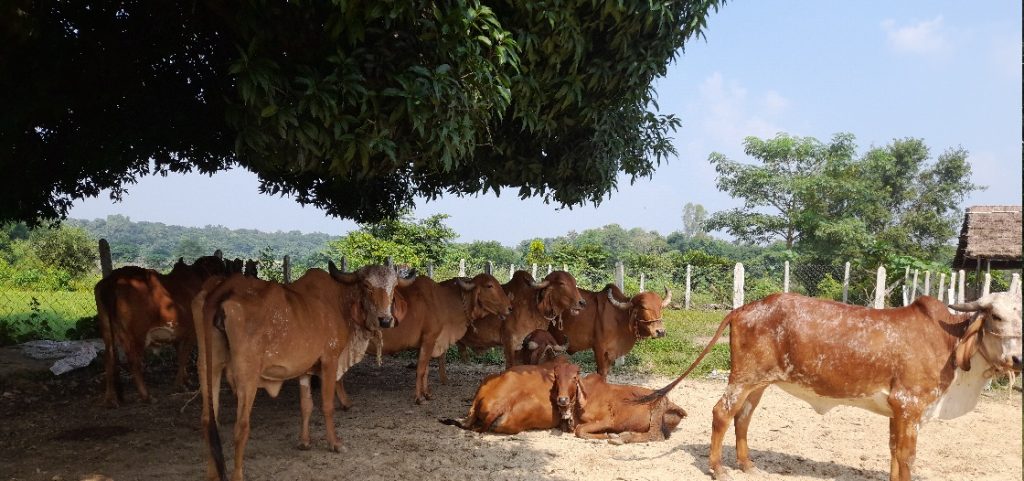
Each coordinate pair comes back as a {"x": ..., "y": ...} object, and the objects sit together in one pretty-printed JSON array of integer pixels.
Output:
[
  {"x": 536, "y": 305},
  {"x": 612, "y": 411},
  {"x": 610, "y": 326},
  {"x": 539, "y": 347},
  {"x": 137, "y": 308},
  {"x": 264, "y": 333},
  {"x": 437, "y": 317},
  {"x": 911, "y": 364},
  {"x": 523, "y": 398}
]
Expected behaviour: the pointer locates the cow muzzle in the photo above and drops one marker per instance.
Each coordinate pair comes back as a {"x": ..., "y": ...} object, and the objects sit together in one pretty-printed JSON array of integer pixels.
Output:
[
  {"x": 562, "y": 401},
  {"x": 1016, "y": 363},
  {"x": 386, "y": 322},
  {"x": 659, "y": 333}
]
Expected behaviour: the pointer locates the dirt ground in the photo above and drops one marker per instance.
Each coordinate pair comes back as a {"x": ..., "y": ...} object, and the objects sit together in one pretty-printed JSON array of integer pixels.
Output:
[{"x": 56, "y": 430}]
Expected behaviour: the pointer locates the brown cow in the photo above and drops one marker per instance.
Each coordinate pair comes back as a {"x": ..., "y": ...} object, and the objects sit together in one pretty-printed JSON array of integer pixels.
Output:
[
  {"x": 611, "y": 327},
  {"x": 264, "y": 333},
  {"x": 138, "y": 308},
  {"x": 910, "y": 364},
  {"x": 535, "y": 306},
  {"x": 539, "y": 347},
  {"x": 437, "y": 317},
  {"x": 611, "y": 411},
  {"x": 523, "y": 398}
]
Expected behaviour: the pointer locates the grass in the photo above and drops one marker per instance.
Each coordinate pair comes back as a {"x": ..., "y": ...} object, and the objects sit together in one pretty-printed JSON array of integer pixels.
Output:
[{"x": 42, "y": 314}]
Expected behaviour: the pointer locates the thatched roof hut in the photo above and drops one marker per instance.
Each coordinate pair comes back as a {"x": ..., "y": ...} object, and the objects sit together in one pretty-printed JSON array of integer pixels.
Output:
[{"x": 990, "y": 233}]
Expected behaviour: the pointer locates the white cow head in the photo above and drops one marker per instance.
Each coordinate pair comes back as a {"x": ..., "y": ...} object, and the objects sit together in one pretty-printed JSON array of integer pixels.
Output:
[{"x": 995, "y": 332}]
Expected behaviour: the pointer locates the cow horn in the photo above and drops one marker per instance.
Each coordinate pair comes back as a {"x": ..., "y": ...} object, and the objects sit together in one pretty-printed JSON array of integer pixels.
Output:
[
  {"x": 541, "y": 284},
  {"x": 408, "y": 279},
  {"x": 668, "y": 298},
  {"x": 532, "y": 345},
  {"x": 466, "y": 286},
  {"x": 617, "y": 303},
  {"x": 972, "y": 306},
  {"x": 561, "y": 348},
  {"x": 346, "y": 277}
]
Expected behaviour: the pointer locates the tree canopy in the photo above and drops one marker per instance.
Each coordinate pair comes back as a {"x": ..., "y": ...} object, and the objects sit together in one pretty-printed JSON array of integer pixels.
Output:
[{"x": 355, "y": 107}]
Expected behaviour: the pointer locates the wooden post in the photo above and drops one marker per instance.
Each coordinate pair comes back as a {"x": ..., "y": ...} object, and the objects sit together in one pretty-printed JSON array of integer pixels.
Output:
[
  {"x": 880, "y": 288},
  {"x": 686, "y": 305},
  {"x": 927, "y": 283},
  {"x": 344, "y": 264},
  {"x": 846, "y": 283},
  {"x": 960, "y": 287},
  {"x": 511, "y": 271},
  {"x": 462, "y": 267},
  {"x": 785, "y": 277},
  {"x": 977, "y": 278},
  {"x": 913, "y": 291},
  {"x": 987, "y": 287},
  {"x": 906, "y": 279},
  {"x": 737, "y": 286},
  {"x": 550, "y": 269},
  {"x": 642, "y": 282},
  {"x": 287, "y": 270},
  {"x": 1015, "y": 284},
  {"x": 430, "y": 270},
  {"x": 942, "y": 285},
  {"x": 534, "y": 272},
  {"x": 620, "y": 275},
  {"x": 951, "y": 292},
  {"x": 565, "y": 268},
  {"x": 489, "y": 268},
  {"x": 218, "y": 254},
  {"x": 106, "y": 264}
]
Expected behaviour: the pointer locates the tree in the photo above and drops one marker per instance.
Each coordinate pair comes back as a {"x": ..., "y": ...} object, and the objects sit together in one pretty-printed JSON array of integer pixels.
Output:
[
  {"x": 355, "y": 107},
  {"x": 479, "y": 252},
  {"x": 694, "y": 216},
  {"x": 537, "y": 253},
  {"x": 64, "y": 248},
  {"x": 404, "y": 239}
]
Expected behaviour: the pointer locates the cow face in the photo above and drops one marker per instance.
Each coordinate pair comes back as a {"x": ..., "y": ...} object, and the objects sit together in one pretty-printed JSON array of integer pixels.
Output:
[
  {"x": 486, "y": 296},
  {"x": 645, "y": 312},
  {"x": 207, "y": 266},
  {"x": 378, "y": 300},
  {"x": 559, "y": 294},
  {"x": 568, "y": 390},
  {"x": 995, "y": 332}
]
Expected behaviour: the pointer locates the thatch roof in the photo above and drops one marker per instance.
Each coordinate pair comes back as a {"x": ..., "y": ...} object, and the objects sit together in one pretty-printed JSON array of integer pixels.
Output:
[{"x": 990, "y": 232}]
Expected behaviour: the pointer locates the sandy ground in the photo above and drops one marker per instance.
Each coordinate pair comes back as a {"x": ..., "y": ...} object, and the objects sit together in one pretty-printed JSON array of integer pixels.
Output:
[{"x": 56, "y": 430}]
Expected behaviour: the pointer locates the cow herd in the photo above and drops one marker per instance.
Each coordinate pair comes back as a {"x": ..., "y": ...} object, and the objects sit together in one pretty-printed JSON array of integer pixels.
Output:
[{"x": 910, "y": 364}]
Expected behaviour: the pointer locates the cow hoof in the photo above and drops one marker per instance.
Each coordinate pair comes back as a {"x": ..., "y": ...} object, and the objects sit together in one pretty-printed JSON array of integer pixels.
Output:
[
  {"x": 338, "y": 448},
  {"x": 420, "y": 399},
  {"x": 616, "y": 441},
  {"x": 303, "y": 446},
  {"x": 751, "y": 469},
  {"x": 720, "y": 475}
]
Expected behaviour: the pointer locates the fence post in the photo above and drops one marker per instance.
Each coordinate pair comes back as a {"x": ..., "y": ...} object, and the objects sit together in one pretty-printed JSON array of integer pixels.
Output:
[
  {"x": 846, "y": 283},
  {"x": 389, "y": 261},
  {"x": 620, "y": 275},
  {"x": 430, "y": 270},
  {"x": 1015, "y": 284},
  {"x": 286, "y": 269},
  {"x": 344, "y": 264},
  {"x": 686, "y": 305},
  {"x": 462, "y": 267},
  {"x": 218, "y": 254},
  {"x": 565, "y": 268},
  {"x": 737, "y": 286},
  {"x": 785, "y": 277},
  {"x": 550, "y": 269},
  {"x": 106, "y": 265},
  {"x": 977, "y": 278},
  {"x": 903, "y": 288},
  {"x": 942, "y": 285},
  {"x": 960, "y": 286},
  {"x": 880, "y": 288},
  {"x": 927, "y": 283},
  {"x": 534, "y": 272},
  {"x": 511, "y": 271},
  {"x": 987, "y": 287},
  {"x": 642, "y": 282},
  {"x": 913, "y": 291},
  {"x": 489, "y": 268},
  {"x": 951, "y": 292}
]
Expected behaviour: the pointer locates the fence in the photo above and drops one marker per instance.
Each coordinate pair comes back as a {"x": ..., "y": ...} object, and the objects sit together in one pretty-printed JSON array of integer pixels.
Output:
[{"x": 59, "y": 314}]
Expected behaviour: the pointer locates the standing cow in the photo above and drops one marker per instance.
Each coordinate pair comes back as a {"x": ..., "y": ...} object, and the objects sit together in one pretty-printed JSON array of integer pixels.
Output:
[
  {"x": 610, "y": 326},
  {"x": 535, "y": 305},
  {"x": 263, "y": 333},
  {"x": 910, "y": 364},
  {"x": 137, "y": 308}
]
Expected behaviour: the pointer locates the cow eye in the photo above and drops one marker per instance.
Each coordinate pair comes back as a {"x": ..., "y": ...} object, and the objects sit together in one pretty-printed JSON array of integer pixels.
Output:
[{"x": 490, "y": 286}]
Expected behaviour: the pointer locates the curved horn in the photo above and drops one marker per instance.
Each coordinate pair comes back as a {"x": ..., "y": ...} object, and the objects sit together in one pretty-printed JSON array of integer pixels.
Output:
[
  {"x": 467, "y": 286},
  {"x": 617, "y": 303},
  {"x": 668, "y": 298},
  {"x": 346, "y": 277},
  {"x": 541, "y": 284},
  {"x": 532, "y": 345},
  {"x": 972, "y": 306},
  {"x": 408, "y": 279}
]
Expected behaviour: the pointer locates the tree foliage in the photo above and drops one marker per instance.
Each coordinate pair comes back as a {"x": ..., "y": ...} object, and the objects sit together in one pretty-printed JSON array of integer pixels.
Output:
[
  {"x": 694, "y": 216},
  {"x": 405, "y": 240},
  {"x": 355, "y": 107}
]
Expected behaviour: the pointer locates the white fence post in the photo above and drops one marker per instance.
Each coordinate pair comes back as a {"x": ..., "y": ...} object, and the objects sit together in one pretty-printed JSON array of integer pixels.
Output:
[
  {"x": 785, "y": 277},
  {"x": 462, "y": 267},
  {"x": 960, "y": 287},
  {"x": 942, "y": 285},
  {"x": 642, "y": 279},
  {"x": 913, "y": 291},
  {"x": 430, "y": 270},
  {"x": 737, "y": 286},
  {"x": 880, "y": 288},
  {"x": 489, "y": 268},
  {"x": 985, "y": 289},
  {"x": 951, "y": 292},
  {"x": 906, "y": 279},
  {"x": 549, "y": 268},
  {"x": 1015, "y": 284},
  {"x": 565, "y": 268},
  {"x": 286, "y": 270},
  {"x": 686, "y": 305},
  {"x": 846, "y": 283},
  {"x": 534, "y": 271},
  {"x": 344, "y": 264},
  {"x": 511, "y": 271},
  {"x": 927, "y": 283},
  {"x": 620, "y": 276}
]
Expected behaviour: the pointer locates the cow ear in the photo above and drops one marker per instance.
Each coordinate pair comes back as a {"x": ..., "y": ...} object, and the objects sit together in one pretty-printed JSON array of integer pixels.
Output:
[
  {"x": 968, "y": 344},
  {"x": 399, "y": 306},
  {"x": 581, "y": 394},
  {"x": 474, "y": 300},
  {"x": 357, "y": 312}
]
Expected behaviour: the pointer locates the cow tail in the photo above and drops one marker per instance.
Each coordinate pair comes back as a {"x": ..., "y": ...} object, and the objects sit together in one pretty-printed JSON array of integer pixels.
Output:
[
  {"x": 452, "y": 422},
  {"x": 211, "y": 311},
  {"x": 106, "y": 306},
  {"x": 660, "y": 393}
]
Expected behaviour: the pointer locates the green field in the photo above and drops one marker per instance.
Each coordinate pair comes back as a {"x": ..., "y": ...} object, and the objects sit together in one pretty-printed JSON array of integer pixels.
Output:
[{"x": 42, "y": 314}]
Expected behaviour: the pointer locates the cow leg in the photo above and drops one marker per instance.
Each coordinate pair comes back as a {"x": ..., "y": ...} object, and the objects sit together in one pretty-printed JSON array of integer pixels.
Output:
[
  {"x": 342, "y": 395},
  {"x": 742, "y": 422},
  {"x": 306, "y": 408},
  {"x": 422, "y": 365},
  {"x": 603, "y": 363},
  {"x": 903, "y": 429},
  {"x": 592, "y": 430},
  {"x": 726, "y": 409},
  {"x": 246, "y": 392},
  {"x": 463, "y": 352},
  {"x": 442, "y": 370},
  {"x": 510, "y": 353},
  {"x": 183, "y": 348},
  {"x": 111, "y": 396},
  {"x": 135, "y": 356}
]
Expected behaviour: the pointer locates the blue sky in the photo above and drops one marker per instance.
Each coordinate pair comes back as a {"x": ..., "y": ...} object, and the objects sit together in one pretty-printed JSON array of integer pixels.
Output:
[{"x": 947, "y": 72}]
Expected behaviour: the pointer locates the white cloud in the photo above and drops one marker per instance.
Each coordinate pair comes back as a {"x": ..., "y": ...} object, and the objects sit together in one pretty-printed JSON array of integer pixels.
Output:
[
  {"x": 727, "y": 116},
  {"x": 774, "y": 102},
  {"x": 927, "y": 37}
]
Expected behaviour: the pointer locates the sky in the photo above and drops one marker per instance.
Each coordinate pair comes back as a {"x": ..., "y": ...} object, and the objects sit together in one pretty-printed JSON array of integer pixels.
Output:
[{"x": 947, "y": 72}]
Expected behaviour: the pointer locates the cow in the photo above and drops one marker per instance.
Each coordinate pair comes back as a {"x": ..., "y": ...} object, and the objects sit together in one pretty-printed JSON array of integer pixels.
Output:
[
  {"x": 610, "y": 411},
  {"x": 910, "y": 364},
  {"x": 535, "y": 306},
  {"x": 263, "y": 333},
  {"x": 522, "y": 398},
  {"x": 610, "y": 326},
  {"x": 137, "y": 308},
  {"x": 438, "y": 315},
  {"x": 539, "y": 347}
]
